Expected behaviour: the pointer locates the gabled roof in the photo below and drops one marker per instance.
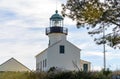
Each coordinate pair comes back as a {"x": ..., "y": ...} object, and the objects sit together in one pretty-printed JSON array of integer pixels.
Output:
[
  {"x": 84, "y": 61},
  {"x": 47, "y": 48},
  {"x": 73, "y": 45},
  {"x": 13, "y": 65},
  {"x": 55, "y": 44}
]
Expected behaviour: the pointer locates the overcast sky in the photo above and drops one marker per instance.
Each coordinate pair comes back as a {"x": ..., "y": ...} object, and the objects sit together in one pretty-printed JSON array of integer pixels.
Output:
[{"x": 22, "y": 34}]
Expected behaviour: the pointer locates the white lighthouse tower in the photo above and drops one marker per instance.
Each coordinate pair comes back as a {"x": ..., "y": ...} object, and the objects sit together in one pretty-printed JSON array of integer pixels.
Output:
[
  {"x": 56, "y": 31},
  {"x": 60, "y": 52}
]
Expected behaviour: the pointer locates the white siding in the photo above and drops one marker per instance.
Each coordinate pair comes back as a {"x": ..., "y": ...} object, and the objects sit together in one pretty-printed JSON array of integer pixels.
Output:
[
  {"x": 55, "y": 37},
  {"x": 65, "y": 61},
  {"x": 40, "y": 61}
]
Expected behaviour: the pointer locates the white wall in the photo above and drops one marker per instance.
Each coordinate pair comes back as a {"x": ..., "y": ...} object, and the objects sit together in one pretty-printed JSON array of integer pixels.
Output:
[
  {"x": 55, "y": 37},
  {"x": 39, "y": 58},
  {"x": 56, "y": 59},
  {"x": 70, "y": 60}
]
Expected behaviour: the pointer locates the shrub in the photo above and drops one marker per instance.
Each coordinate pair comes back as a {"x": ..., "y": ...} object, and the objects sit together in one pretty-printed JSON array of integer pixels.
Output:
[{"x": 54, "y": 75}]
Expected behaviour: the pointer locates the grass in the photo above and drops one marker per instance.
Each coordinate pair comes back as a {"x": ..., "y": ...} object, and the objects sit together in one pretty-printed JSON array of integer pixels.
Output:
[{"x": 54, "y": 75}]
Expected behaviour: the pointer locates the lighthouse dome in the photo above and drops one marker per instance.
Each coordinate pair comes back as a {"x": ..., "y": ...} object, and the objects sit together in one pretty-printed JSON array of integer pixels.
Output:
[{"x": 56, "y": 16}]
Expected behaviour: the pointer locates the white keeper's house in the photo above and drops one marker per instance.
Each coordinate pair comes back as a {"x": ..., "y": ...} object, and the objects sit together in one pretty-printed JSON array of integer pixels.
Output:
[{"x": 60, "y": 52}]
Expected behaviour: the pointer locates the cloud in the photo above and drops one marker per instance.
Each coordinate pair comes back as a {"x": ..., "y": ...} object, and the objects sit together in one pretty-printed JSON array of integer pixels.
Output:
[
  {"x": 22, "y": 29},
  {"x": 22, "y": 32},
  {"x": 96, "y": 68},
  {"x": 32, "y": 8},
  {"x": 98, "y": 54}
]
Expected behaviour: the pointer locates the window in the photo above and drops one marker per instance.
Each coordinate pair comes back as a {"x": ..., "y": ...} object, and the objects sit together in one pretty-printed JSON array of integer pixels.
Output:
[
  {"x": 41, "y": 65},
  {"x": 85, "y": 67},
  {"x": 37, "y": 66},
  {"x": 62, "y": 49},
  {"x": 49, "y": 43},
  {"x": 45, "y": 62}
]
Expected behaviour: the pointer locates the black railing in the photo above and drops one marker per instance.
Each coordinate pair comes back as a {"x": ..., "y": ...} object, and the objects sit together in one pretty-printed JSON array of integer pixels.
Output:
[{"x": 56, "y": 30}]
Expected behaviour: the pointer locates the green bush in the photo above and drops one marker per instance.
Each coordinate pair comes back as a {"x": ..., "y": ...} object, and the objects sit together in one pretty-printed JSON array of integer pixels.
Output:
[
  {"x": 55, "y": 75},
  {"x": 14, "y": 75}
]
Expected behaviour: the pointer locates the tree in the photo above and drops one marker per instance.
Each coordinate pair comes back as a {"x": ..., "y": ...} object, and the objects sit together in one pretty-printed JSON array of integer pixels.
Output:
[{"x": 96, "y": 16}]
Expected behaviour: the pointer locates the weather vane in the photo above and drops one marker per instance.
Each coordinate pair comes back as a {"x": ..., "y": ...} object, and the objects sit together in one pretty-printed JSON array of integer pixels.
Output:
[{"x": 56, "y": 4}]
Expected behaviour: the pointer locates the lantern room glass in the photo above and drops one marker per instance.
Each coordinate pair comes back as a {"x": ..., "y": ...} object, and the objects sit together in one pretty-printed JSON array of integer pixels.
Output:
[{"x": 56, "y": 23}]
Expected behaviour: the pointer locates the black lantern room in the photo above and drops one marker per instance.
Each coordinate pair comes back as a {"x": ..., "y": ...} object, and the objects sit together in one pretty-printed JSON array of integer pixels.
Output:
[{"x": 56, "y": 24}]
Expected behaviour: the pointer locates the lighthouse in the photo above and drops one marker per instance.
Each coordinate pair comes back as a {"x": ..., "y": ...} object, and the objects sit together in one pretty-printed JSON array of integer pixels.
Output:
[
  {"x": 60, "y": 53},
  {"x": 56, "y": 31}
]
